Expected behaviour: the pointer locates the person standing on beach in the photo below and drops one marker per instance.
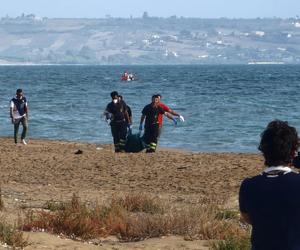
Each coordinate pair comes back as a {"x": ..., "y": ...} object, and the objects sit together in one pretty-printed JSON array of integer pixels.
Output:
[
  {"x": 151, "y": 112},
  {"x": 166, "y": 109},
  {"x": 270, "y": 201},
  {"x": 19, "y": 114},
  {"x": 116, "y": 114},
  {"x": 128, "y": 121}
]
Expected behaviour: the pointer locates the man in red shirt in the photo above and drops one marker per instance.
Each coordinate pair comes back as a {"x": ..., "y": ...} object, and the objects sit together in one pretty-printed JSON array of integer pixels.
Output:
[{"x": 170, "y": 111}]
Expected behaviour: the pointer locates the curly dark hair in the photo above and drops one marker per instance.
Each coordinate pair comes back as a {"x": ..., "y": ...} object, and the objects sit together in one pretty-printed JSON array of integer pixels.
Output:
[{"x": 279, "y": 142}]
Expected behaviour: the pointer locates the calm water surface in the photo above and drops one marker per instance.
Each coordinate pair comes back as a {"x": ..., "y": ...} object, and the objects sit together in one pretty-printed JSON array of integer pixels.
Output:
[{"x": 225, "y": 107}]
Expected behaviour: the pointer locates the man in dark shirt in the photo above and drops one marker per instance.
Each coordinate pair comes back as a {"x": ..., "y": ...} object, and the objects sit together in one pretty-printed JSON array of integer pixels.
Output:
[
  {"x": 150, "y": 113},
  {"x": 270, "y": 202},
  {"x": 116, "y": 113}
]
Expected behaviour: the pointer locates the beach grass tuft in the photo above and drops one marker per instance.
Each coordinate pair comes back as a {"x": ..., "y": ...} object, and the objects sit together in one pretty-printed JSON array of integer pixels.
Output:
[
  {"x": 73, "y": 219},
  {"x": 227, "y": 214},
  {"x": 139, "y": 203},
  {"x": 11, "y": 235},
  {"x": 232, "y": 243}
]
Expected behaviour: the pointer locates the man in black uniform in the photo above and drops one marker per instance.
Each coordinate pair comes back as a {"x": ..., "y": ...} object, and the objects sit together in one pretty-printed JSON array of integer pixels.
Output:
[
  {"x": 116, "y": 112},
  {"x": 151, "y": 112}
]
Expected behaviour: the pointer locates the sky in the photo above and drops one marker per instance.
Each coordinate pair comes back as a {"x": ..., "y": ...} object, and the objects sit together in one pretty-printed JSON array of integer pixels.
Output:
[{"x": 157, "y": 8}]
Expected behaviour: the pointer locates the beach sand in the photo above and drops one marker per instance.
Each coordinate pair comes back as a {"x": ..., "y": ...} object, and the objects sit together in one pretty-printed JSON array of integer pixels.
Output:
[{"x": 47, "y": 170}]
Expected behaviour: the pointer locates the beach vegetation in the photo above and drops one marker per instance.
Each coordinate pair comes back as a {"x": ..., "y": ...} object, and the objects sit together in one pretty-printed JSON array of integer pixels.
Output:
[
  {"x": 227, "y": 214},
  {"x": 11, "y": 235},
  {"x": 54, "y": 206},
  {"x": 139, "y": 203},
  {"x": 73, "y": 219},
  {"x": 135, "y": 217},
  {"x": 232, "y": 243}
]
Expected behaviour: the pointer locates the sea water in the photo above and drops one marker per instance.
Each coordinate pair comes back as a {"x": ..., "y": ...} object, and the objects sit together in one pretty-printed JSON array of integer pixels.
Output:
[{"x": 225, "y": 107}]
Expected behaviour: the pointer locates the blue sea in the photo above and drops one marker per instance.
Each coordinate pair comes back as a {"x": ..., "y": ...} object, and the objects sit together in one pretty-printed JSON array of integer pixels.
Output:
[{"x": 225, "y": 107}]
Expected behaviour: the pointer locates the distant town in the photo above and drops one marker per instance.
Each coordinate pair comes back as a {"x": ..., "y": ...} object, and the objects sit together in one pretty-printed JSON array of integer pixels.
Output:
[{"x": 29, "y": 39}]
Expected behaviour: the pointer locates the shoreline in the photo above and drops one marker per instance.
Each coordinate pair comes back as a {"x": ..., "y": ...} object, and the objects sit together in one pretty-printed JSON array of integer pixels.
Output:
[{"x": 159, "y": 148}]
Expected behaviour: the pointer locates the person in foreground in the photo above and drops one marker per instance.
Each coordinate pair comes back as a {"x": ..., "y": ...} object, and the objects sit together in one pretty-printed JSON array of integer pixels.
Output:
[
  {"x": 270, "y": 201},
  {"x": 116, "y": 114},
  {"x": 19, "y": 114},
  {"x": 151, "y": 112}
]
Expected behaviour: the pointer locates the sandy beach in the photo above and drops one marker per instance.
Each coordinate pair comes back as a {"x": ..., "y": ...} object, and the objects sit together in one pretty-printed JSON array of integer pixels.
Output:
[{"x": 47, "y": 170}]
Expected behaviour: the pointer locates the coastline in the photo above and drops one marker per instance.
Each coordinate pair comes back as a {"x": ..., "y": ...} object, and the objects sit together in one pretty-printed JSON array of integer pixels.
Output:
[{"x": 47, "y": 170}]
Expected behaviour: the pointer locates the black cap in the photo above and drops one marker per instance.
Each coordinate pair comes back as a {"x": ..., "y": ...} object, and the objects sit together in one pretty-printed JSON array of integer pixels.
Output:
[{"x": 113, "y": 94}]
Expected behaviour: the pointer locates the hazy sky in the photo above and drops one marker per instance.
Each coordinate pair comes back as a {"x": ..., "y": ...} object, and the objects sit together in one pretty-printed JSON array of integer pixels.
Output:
[{"x": 161, "y": 8}]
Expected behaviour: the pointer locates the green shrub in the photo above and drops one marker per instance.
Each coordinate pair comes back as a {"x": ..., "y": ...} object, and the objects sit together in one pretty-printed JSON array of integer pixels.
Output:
[
  {"x": 227, "y": 214},
  {"x": 232, "y": 243},
  {"x": 11, "y": 236}
]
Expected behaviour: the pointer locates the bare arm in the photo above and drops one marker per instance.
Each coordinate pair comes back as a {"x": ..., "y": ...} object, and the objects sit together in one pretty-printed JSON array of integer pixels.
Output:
[
  {"x": 171, "y": 111},
  {"x": 130, "y": 120},
  {"x": 167, "y": 114}
]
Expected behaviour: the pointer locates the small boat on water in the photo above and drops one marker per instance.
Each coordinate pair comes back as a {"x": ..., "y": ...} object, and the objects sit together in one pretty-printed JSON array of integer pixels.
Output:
[{"x": 127, "y": 77}]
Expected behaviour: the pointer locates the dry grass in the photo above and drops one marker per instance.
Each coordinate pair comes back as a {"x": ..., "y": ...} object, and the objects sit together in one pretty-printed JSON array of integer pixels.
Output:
[
  {"x": 73, "y": 219},
  {"x": 139, "y": 203},
  {"x": 134, "y": 218},
  {"x": 226, "y": 214},
  {"x": 11, "y": 236}
]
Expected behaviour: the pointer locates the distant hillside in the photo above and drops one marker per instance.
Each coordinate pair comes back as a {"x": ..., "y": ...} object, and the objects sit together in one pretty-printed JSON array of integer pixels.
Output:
[{"x": 148, "y": 40}]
